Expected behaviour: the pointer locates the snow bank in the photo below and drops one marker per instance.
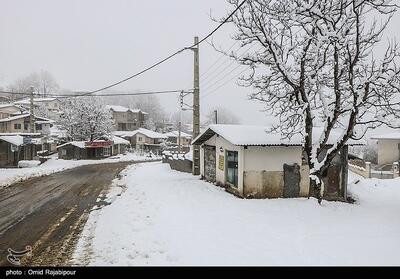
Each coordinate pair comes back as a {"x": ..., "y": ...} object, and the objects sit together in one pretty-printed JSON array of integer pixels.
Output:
[
  {"x": 174, "y": 218},
  {"x": 11, "y": 175},
  {"x": 28, "y": 164}
]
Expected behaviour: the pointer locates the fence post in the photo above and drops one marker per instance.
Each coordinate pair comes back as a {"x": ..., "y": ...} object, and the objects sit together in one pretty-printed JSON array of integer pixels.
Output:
[
  {"x": 368, "y": 169},
  {"x": 395, "y": 169}
]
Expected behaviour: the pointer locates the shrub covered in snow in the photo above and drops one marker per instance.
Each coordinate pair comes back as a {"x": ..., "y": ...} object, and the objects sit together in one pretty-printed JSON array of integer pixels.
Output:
[{"x": 28, "y": 164}]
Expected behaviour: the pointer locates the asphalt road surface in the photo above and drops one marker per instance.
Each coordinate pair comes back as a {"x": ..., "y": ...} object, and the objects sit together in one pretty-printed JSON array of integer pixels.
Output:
[{"x": 49, "y": 212}]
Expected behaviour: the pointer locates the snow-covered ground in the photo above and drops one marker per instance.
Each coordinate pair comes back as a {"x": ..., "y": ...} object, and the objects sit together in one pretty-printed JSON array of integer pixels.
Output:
[
  {"x": 12, "y": 175},
  {"x": 165, "y": 217}
]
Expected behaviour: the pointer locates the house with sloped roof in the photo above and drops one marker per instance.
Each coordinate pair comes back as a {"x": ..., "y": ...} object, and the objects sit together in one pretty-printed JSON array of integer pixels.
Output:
[
  {"x": 15, "y": 147},
  {"x": 7, "y": 110},
  {"x": 127, "y": 119},
  {"x": 173, "y": 138},
  {"x": 252, "y": 162},
  {"x": 97, "y": 149},
  {"x": 51, "y": 105},
  {"x": 143, "y": 139},
  {"x": 388, "y": 148},
  {"x": 20, "y": 123}
]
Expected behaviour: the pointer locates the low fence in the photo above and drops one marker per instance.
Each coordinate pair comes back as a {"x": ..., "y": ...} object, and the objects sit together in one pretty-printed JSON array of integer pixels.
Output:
[
  {"x": 368, "y": 172},
  {"x": 177, "y": 162}
]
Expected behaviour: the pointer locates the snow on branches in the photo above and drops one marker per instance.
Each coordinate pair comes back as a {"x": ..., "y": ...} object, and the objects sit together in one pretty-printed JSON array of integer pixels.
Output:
[
  {"x": 315, "y": 67},
  {"x": 85, "y": 118}
]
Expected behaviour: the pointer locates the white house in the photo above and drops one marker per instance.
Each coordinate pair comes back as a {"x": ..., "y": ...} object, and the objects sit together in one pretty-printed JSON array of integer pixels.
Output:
[
  {"x": 388, "y": 148},
  {"x": 51, "y": 104},
  {"x": 172, "y": 138},
  {"x": 143, "y": 139},
  {"x": 250, "y": 162}
]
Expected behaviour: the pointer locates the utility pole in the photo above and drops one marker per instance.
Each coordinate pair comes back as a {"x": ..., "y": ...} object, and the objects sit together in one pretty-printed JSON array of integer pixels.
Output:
[
  {"x": 180, "y": 122},
  {"x": 216, "y": 116},
  {"x": 196, "y": 108},
  {"x": 31, "y": 116}
]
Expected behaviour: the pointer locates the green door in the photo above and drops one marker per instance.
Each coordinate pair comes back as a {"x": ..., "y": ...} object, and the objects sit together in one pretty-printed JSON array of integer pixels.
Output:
[{"x": 232, "y": 167}]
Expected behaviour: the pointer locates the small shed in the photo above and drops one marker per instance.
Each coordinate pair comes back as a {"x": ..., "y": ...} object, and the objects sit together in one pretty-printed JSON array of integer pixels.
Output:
[
  {"x": 10, "y": 149},
  {"x": 253, "y": 163},
  {"x": 97, "y": 149},
  {"x": 16, "y": 147},
  {"x": 388, "y": 148}
]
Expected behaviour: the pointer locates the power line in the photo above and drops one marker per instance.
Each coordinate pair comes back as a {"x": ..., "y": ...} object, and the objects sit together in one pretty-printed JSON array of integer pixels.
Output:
[
  {"x": 216, "y": 61},
  {"x": 227, "y": 67},
  {"x": 170, "y": 56},
  {"x": 104, "y": 95},
  {"x": 216, "y": 82},
  {"x": 225, "y": 83}
]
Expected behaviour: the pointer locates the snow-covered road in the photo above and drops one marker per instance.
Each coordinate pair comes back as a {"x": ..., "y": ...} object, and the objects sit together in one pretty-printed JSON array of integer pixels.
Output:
[
  {"x": 170, "y": 218},
  {"x": 9, "y": 176}
]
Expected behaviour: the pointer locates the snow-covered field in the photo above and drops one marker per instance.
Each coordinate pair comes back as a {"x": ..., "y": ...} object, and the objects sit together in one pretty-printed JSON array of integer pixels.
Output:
[
  {"x": 12, "y": 175},
  {"x": 165, "y": 217}
]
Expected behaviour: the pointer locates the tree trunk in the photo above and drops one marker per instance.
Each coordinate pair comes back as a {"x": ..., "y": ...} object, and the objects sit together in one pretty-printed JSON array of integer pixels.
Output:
[{"x": 315, "y": 188}]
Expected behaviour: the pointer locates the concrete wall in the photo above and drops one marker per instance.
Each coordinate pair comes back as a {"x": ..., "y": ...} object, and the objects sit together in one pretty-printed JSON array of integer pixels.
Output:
[
  {"x": 271, "y": 158},
  {"x": 263, "y": 170},
  {"x": 388, "y": 151}
]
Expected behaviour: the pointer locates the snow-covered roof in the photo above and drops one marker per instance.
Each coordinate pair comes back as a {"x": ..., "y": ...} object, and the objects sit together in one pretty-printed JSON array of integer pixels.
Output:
[
  {"x": 259, "y": 135},
  {"x": 80, "y": 144},
  {"x": 13, "y": 139},
  {"x": 393, "y": 136},
  {"x": 41, "y": 119},
  {"x": 27, "y": 101},
  {"x": 20, "y": 134},
  {"x": 118, "y": 108},
  {"x": 9, "y": 105},
  {"x": 118, "y": 140},
  {"x": 174, "y": 134},
  {"x": 147, "y": 133},
  {"x": 124, "y": 109}
]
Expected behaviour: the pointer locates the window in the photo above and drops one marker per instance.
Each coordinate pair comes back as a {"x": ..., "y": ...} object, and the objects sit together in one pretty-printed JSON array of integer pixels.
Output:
[
  {"x": 106, "y": 151},
  {"x": 26, "y": 126},
  {"x": 139, "y": 138},
  {"x": 38, "y": 126},
  {"x": 232, "y": 168},
  {"x": 17, "y": 126}
]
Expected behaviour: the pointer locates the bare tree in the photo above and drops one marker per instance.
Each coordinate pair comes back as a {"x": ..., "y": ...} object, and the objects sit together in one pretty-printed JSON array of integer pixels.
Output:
[
  {"x": 313, "y": 65},
  {"x": 43, "y": 82},
  {"x": 224, "y": 116}
]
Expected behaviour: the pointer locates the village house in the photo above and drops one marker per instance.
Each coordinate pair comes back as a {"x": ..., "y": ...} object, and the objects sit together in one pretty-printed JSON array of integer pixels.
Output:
[
  {"x": 8, "y": 110},
  {"x": 252, "y": 163},
  {"x": 16, "y": 147},
  {"x": 51, "y": 104},
  {"x": 97, "y": 149},
  {"x": 173, "y": 138},
  {"x": 21, "y": 124},
  {"x": 127, "y": 119},
  {"x": 143, "y": 139},
  {"x": 388, "y": 148}
]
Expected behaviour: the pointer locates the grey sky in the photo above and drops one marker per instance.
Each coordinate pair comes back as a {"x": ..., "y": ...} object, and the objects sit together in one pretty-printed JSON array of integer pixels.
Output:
[{"x": 89, "y": 44}]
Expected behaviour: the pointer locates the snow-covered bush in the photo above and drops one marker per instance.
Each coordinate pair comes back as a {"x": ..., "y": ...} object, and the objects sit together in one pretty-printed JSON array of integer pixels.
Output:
[{"x": 28, "y": 163}]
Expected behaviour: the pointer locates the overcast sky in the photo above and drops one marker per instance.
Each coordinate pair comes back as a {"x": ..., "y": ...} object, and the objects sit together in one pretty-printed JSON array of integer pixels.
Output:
[{"x": 89, "y": 44}]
